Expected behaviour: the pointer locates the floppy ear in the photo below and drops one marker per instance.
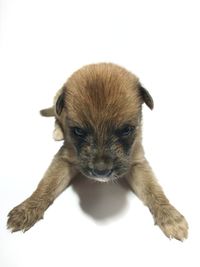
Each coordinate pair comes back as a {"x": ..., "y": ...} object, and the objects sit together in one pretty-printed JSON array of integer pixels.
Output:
[
  {"x": 60, "y": 103},
  {"x": 146, "y": 97}
]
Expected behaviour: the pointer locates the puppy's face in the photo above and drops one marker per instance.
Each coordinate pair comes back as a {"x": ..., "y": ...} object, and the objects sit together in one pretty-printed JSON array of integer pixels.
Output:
[{"x": 101, "y": 112}]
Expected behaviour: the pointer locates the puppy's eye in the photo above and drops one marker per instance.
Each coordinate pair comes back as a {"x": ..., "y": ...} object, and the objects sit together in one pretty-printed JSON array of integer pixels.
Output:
[
  {"x": 125, "y": 131},
  {"x": 79, "y": 132}
]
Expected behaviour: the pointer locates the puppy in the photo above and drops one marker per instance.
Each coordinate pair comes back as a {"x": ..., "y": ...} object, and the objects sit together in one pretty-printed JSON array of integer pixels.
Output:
[{"x": 99, "y": 111}]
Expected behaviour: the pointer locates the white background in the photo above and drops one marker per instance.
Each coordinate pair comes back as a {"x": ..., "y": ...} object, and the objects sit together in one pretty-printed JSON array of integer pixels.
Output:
[{"x": 42, "y": 43}]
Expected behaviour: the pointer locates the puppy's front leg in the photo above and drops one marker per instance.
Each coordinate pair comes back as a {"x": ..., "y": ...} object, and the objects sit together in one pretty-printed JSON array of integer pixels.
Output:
[
  {"x": 55, "y": 180},
  {"x": 144, "y": 184}
]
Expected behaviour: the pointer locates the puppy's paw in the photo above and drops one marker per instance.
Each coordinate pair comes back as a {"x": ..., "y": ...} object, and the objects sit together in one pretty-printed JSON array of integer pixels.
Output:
[
  {"x": 172, "y": 223},
  {"x": 58, "y": 134},
  {"x": 24, "y": 216}
]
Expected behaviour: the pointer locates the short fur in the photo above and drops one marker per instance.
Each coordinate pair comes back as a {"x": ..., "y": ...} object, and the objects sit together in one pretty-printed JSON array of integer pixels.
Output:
[{"x": 98, "y": 111}]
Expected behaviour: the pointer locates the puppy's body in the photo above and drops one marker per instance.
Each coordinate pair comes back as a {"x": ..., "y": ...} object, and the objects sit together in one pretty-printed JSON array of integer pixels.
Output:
[{"x": 99, "y": 112}]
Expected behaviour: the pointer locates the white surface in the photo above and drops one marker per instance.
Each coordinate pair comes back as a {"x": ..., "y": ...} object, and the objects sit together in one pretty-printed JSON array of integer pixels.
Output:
[{"x": 42, "y": 43}]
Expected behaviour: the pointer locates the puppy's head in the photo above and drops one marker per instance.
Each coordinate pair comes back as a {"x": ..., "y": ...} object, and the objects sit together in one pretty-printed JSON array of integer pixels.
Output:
[{"x": 100, "y": 112}]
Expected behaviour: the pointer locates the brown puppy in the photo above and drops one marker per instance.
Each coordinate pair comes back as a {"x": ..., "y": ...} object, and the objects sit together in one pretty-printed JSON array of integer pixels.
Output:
[{"x": 99, "y": 112}]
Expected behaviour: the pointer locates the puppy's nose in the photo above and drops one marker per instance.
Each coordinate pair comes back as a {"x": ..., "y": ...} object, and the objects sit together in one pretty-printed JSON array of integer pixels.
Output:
[{"x": 105, "y": 172}]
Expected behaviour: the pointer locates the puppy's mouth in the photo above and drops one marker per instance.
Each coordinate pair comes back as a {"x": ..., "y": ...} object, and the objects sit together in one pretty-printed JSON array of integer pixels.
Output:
[{"x": 100, "y": 175}]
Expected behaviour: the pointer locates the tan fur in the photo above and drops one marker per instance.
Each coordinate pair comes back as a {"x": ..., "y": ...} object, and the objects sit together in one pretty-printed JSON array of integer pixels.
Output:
[
  {"x": 102, "y": 97},
  {"x": 83, "y": 105}
]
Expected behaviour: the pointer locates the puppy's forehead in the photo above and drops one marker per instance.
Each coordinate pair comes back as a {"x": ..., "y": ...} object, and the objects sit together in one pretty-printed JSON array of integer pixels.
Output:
[{"x": 102, "y": 93}]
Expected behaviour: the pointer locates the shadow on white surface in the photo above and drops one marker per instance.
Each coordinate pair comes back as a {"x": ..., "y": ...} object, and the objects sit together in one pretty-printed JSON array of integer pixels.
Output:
[{"x": 101, "y": 201}]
